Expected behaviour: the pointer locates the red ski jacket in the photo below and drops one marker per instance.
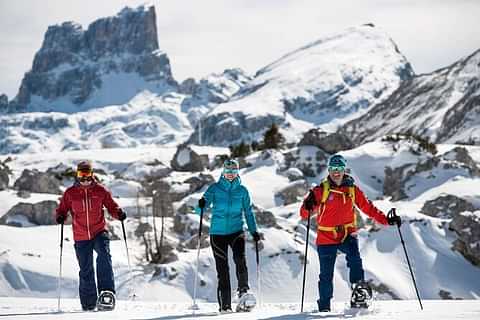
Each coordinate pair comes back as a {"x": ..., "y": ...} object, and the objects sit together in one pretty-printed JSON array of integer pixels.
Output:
[
  {"x": 86, "y": 207},
  {"x": 336, "y": 217}
]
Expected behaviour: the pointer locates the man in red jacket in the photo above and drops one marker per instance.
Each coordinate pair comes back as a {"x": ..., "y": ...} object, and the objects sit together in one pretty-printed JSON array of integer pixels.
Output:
[
  {"x": 85, "y": 201},
  {"x": 333, "y": 202}
]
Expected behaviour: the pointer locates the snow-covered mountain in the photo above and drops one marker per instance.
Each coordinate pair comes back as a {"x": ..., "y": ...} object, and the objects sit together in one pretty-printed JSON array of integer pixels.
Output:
[
  {"x": 107, "y": 64},
  {"x": 443, "y": 106},
  {"x": 107, "y": 86},
  {"x": 325, "y": 83}
]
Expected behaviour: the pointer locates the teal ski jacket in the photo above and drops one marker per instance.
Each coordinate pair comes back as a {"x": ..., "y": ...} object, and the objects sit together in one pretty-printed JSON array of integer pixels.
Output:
[{"x": 229, "y": 203}]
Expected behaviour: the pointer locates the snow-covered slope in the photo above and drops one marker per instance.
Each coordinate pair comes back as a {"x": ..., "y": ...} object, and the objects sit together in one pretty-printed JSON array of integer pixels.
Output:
[
  {"x": 324, "y": 83},
  {"x": 29, "y": 266},
  {"x": 442, "y": 106},
  {"x": 45, "y": 309},
  {"x": 148, "y": 119}
]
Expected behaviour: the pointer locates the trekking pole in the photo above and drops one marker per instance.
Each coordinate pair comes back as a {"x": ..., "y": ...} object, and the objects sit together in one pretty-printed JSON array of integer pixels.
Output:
[
  {"x": 59, "y": 285},
  {"x": 194, "y": 305},
  {"x": 259, "y": 287},
  {"x": 128, "y": 259},
  {"x": 305, "y": 260},
  {"x": 391, "y": 214}
]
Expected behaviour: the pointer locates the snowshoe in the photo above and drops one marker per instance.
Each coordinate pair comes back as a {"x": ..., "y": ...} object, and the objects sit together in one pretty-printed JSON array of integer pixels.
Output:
[
  {"x": 106, "y": 301},
  {"x": 361, "y": 295},
  {"x": 246, "y": 301},
  {"x": 89, "y": 308},
  {"x": 226, "y": 309}
]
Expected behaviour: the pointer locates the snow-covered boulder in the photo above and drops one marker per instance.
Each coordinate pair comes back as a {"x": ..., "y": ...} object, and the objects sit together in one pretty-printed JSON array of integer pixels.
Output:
[
  {"x": 293, "y": 192},
  {"x": 27, "y": 214},
  {"x": 467, "y": 227},
  {"x": 462, "y": 156},
  {"x": 198, "y": 182},
  {"x": 264, "y": 218},
  {"x": 185, "y": 159},
  {"x": 329, "y": 142},
  {"x": 38, "y": 182},
  {"x": 446, "y": 207},
  {"x": 412, "y": 178},
  {"x": 145, "y": 171},
  {"x": 186, "y": 226},
  {"x": 294, "y": 174}
]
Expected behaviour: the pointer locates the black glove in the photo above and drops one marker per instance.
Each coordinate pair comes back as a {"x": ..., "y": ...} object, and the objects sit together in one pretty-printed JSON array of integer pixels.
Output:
[
  {"x": 202, "y": 203},
  {"x": 309, "y": 203},
  {"x": 122, "y": 215},
  {"x": 60, "y": 219},
  {"x": 393, "y": 218},
  {"x": 256, "y": 236}
]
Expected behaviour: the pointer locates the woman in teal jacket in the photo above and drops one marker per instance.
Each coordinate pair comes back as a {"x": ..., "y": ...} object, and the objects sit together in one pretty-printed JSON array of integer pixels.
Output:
[{"x": 230, "y": 201}]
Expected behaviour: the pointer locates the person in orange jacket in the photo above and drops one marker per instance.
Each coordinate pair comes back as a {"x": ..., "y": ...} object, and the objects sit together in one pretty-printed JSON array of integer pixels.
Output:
[
  {"x": 85, "y": 201},
  {"x": 333, "y": 203}
]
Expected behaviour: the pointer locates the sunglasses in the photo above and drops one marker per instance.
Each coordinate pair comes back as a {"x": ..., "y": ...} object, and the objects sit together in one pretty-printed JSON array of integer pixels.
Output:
[
  {"x": 336, "y": 169},
  {"x": 230, "y": 171}
]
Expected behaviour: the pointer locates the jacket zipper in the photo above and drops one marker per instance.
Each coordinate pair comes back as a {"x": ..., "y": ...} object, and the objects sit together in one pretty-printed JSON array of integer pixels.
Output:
[{"x": 86, "y": 206}]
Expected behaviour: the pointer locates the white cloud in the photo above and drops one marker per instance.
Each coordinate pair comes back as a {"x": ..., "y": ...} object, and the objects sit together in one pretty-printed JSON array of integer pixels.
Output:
[{"x": 208, "y": 36}]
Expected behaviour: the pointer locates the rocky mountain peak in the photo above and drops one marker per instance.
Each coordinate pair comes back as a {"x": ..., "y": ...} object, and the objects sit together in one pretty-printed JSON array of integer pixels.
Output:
[
  {"x": 441, "y": 106},
  {"x": 322, "y": 84},
  {"x": 121, "y": 52}
]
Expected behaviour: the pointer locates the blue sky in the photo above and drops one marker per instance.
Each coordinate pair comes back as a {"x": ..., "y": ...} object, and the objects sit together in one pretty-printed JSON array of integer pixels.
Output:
[{"x": 207, "y": 36}]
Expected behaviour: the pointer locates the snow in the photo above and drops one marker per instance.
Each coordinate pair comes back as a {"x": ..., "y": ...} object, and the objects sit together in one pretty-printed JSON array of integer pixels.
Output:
[
  {"x": 183, "y": 157},
  {"x": 146, "y": 120},
  {"x": 29, "y": 268},
  {"x": 27, "y": 308}
]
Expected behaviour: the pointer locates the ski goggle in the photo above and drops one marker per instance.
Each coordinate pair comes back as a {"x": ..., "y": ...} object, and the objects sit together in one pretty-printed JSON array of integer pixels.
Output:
[
  {"x": 230, "y": 171},
  {"x": 336, "y": 169},
  {"x": 84, "y": 174}
]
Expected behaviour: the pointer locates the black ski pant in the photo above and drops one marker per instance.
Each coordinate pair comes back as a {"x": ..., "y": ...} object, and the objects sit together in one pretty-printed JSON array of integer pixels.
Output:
[
  {"x": 87, "y": 286},
  {"x": 220, "y": 244}
]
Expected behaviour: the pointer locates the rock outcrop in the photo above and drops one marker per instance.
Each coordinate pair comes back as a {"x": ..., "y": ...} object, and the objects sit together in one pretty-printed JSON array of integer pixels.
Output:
[
  {"x": 467, "y": 227},
  {"x": 22, "y": 214},
  {"x": 293, "y": 192},
  {"x": 185, "y": 159},
  {"x": 75, "y": 64},
  {"x": 446, "y": 207},
  {"x": 329, "y": 142},
  {"x": 38, "y": 182}
]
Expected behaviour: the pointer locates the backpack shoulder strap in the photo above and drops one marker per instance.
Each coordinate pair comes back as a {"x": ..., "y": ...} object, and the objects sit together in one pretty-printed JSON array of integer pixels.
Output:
[
  {"x": 326, "y": 191},
  {"x": 351, "y": 192}
]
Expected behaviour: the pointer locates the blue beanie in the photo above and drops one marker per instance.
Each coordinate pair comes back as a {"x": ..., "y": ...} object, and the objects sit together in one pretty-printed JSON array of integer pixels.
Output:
[{"x": 337, "y": 161}]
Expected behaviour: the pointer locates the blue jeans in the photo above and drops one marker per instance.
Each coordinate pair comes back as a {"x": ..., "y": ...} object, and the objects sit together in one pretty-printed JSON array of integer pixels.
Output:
[
  {"x": 87, "y": 288},
  {"x": 327, "y": 255}
]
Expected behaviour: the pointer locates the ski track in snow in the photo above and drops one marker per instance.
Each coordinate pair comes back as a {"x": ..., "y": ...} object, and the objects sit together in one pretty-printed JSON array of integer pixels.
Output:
[{"x": 28, "y": 308}]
